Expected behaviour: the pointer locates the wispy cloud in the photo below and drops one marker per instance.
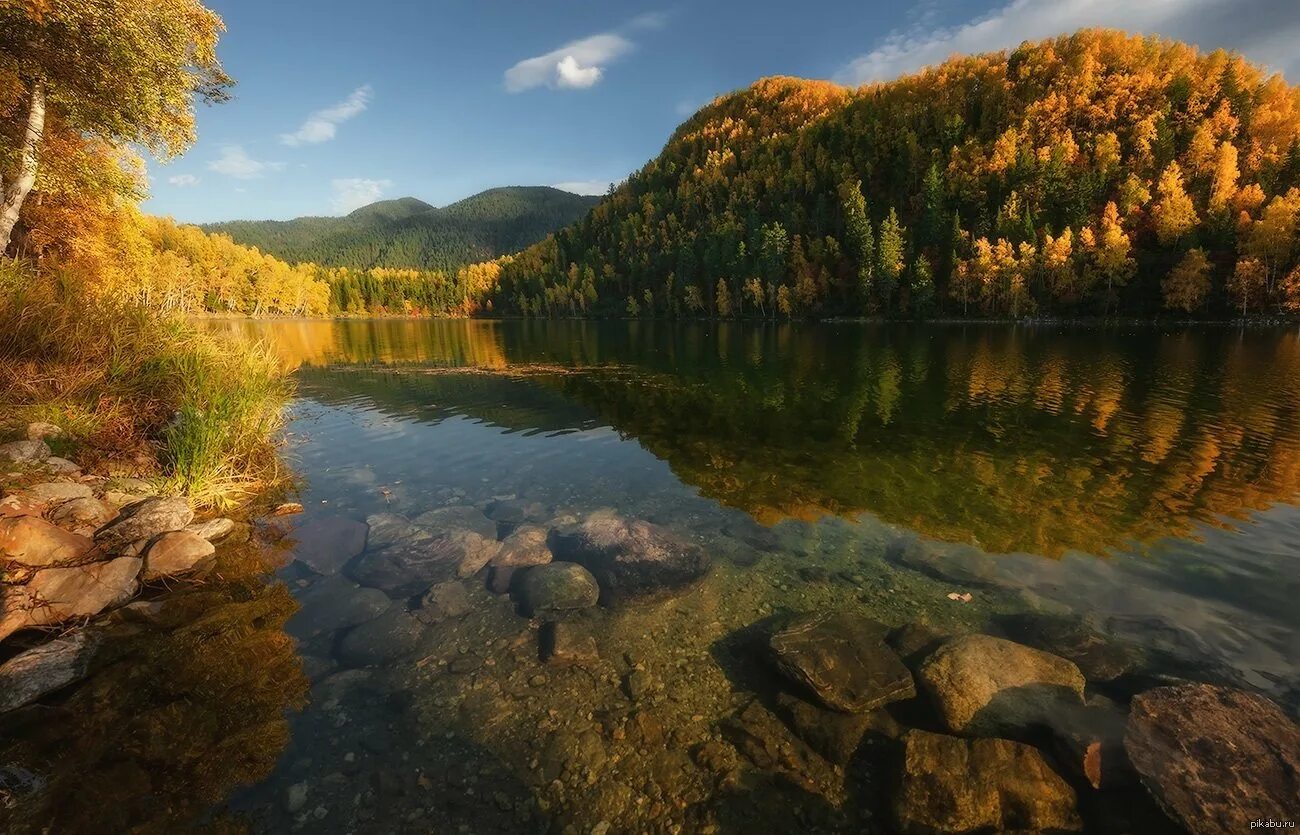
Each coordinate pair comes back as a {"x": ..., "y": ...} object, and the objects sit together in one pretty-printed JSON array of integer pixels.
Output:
[
  {"x": 586, "y": 187},
  {"x": 1265, "y": 32},
  {"x": 235, "y": 162},
  {"x": 183, "y": 180},
  {"x": 354, "y": 192},
  {"x": 322, "y": 125},
  {"x": 580, "y": 64}
]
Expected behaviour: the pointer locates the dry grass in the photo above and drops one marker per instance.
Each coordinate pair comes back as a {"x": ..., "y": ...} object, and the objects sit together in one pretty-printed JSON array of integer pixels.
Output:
[{"x": 132, "y": 386}]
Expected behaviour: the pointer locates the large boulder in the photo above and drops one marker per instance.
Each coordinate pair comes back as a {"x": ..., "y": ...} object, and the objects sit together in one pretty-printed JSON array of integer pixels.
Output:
[
  {"x": 144, "y": 520},
  {"x": 986, "y": 686},
  {"x": 1215, "y": 758},
  {"x": 51, "y": 494},
  {"x": 35, "y": 543},
  {"x": 444, "y": 601},
  {"x": 557, "y": 588},
  {"x": 630, "y": 558},
  {"x": 407, "y": 569},
  {"x": 526, "y": 546},
  {"x": 334, "y": 603},
  {"x": 25, "y": 452},
  {"x": 55, "y": 595},
  {"x": 386, "y": 529},
  {"x": 325, "y": 545},
  {"x": 83, "y": 516},
  {"x": 841, "y": 659},
  {"x": 949, "y": 784},
  {"x": 175, "y": 553},
  {"x": 214, "y": 530},
  {"x": 44, "y": 669}
]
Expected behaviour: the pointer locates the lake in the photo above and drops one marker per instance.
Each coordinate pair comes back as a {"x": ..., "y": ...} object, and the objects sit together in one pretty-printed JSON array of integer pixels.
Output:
[{"x": 1123, "y": 496}]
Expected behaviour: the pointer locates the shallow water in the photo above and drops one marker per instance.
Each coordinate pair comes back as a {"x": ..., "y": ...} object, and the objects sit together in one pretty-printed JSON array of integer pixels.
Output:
[{"x": 1144, "y": 480}]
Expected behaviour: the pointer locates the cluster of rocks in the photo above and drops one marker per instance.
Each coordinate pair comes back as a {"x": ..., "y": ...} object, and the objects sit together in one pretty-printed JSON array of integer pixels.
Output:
[
  {"x": 75, "y": 545},
  {"x": 552, "y": 568},
  {"x": 1002, "y": 736}
]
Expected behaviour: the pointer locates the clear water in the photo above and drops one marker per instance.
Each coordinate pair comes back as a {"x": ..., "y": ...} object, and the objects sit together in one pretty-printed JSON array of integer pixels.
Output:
[{"x": 1142, "y": 479}]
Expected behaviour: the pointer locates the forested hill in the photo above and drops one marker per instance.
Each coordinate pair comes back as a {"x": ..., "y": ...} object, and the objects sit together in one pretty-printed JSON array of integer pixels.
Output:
[
  {"x": 1089, "y": 174},
  {"x": 409, "y": 233}
]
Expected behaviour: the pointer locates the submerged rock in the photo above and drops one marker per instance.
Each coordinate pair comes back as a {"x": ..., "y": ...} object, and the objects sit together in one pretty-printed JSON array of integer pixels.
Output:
[
  {"x": 562, "y": 644},
  {"x": 526, "y": 546},
  {"x": 333, "y": 603},
  {"x": 386, "y": 638},
  {"x": 35, "y": 543},
  {"x": 25, "y": 452},
  {"x": 630, "y": 557},
  {"x": 1097, "y": 657},
  {"x": 949, "y": 784},
  {"x": 144, "y": 520},
  {"x": 1215, "y": 758},
  {"x": 51, "y": 666},
  {"x": 444, "y": 520},
  {"x": 407, "y": 569},
  {"x": 325, "y": 545},
  {"x": 557, "y": 588},
  {"x": 56, "y": 595},
  {"x": 833, "y": 734},
  {"x": 83, "y": 516},
  {"x": 443, "y": 601},
  {"x": 387, "y": 529},
  {"x": 988, "y": 686},
  {"x": 841, "y": 658},
  {"x": 176, "y": 553}
]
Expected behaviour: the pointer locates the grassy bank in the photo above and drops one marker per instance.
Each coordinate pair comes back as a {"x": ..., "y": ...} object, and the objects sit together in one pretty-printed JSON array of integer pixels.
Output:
[{"x": 138, "y": 391}]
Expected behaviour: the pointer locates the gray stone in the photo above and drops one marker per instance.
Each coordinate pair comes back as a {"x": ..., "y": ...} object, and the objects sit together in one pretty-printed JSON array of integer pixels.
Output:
[
  {"x": 61, "y": 466},
  {"x": 175, "y": 553},
  {"x": 407, "y": 569},
  {"x": 55, "y": 493},
  {"x": 443, "y": 601},
  {"x": 35, "y": 543},
  {"x": 949, "y": 784},
  {"x": 445, "y": 520},
  {"x": 55, "y": 595},
  {"x": 334, "y": 603},
  {"x": 386, "y": 638},
  {"x": 213, "y": 530},
  {"x": 557, "y": 588},
  {"x": 83, "y": 516},
  {"x": 144, "y": 520},
  {"x": 44, "y": 669},
  {"x": 124, "y": 490},
  {"x": 40, "y": 430},
  {"x": 841, "y": 659},
  {"x": 986, "y": 686},
  {"x": 630, "y": 558},
  {"x": 1215, "y": 757},
  {"x": 525, "y": 547},
  {"x": 24, "y": 452},
  {"x": 325, "y": 545},
  {"x": 563, "y": 644}
]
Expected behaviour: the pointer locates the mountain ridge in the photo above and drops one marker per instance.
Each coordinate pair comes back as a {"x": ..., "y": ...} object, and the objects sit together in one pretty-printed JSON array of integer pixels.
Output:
[{"x": 409, "y": 233}]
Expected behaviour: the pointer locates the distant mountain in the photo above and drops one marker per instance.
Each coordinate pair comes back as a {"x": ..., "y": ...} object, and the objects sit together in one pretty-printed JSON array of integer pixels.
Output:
[{"x": 410, "y": 233}]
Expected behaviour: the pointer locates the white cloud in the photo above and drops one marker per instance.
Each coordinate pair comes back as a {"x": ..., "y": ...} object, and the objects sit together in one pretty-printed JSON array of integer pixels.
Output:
[
  {"x": 183, "y": 180},
  {"x": 235, "y": 162},
  {"x": 354, "y": 192},
  {"x": 1265, "y": 32},
  {"x": 322, "y": 125},
  {"x": 575, "y": 65},
  {"x": 587, "y": 187}
]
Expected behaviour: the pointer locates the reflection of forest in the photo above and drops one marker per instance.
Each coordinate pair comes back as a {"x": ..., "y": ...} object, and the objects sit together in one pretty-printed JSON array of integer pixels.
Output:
[
  {"x": 1017, "y": 439},
  {"x": 187, "y": 701}
]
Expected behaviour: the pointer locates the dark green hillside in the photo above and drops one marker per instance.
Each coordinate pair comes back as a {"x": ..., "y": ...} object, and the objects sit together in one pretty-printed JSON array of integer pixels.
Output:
[
  {"x": 1089, "y": 174},
  {"x": 409, "y": 233}
]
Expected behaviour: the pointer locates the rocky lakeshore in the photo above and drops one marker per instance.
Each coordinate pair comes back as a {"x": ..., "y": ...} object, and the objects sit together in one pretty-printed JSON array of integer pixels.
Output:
[{"x": 509, "y": 665}]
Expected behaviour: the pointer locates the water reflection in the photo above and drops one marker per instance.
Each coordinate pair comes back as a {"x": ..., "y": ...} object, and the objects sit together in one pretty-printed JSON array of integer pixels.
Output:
[{"x": 1033, "y": 440}]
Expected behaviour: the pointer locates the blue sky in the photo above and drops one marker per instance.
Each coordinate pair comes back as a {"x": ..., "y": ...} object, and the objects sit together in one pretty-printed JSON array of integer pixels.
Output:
[{"x": 341, "y": 103}]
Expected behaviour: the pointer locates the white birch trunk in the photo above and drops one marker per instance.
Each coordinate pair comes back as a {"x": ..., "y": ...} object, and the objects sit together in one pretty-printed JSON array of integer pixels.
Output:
[{"x": 13, "y": 194}]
